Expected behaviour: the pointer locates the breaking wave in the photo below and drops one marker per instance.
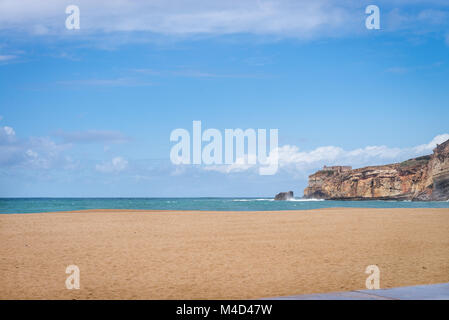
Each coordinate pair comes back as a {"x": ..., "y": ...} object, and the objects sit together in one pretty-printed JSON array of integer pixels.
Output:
[
  {"x": 245, "y": 200},
  {"x": 306, "y": 200}
]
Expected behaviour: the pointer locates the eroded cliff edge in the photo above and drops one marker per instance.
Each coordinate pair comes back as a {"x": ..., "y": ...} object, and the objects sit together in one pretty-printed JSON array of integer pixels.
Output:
[{"x": 420, "y": 179}]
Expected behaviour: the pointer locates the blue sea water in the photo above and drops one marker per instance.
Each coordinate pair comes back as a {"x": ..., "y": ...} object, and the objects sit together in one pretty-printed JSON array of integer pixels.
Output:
[{"x": 30, "y": 205}]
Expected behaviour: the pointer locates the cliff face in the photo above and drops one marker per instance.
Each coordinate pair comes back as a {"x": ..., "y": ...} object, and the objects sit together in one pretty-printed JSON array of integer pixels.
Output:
[{"x": 423, "y": 178}]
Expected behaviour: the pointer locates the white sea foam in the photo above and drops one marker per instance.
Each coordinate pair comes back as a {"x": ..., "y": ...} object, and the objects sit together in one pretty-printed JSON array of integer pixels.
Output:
[
  {"x": 244, "y": 200},
  {"x": 305, "y": 200},
  {"x": 269, "y": 199}
]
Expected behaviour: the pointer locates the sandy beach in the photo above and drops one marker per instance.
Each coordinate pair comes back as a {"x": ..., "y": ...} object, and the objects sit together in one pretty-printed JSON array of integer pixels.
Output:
[{"x": 219, "y": 255}]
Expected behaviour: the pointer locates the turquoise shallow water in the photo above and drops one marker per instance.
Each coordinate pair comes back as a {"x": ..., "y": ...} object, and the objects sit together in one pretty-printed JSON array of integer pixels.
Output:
[{"x": 30, "y": 205}]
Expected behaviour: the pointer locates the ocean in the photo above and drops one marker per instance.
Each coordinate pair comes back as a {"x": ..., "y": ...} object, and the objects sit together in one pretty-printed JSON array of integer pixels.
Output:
[{"x": 34, "y": 205}]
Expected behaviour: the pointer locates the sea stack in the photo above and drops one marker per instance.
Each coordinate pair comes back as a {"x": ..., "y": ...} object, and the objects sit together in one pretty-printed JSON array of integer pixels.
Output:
[{"x": 284, "y": 196}]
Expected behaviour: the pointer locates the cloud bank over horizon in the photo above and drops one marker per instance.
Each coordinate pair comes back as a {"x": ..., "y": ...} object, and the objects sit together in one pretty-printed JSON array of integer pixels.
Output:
[
  {"x": 44, "y": 160},
  {"x": 45, "y": 153},
  {"x": 293, "y": 160}
]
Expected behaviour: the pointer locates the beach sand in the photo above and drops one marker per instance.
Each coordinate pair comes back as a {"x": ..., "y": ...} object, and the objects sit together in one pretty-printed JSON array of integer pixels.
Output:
[{"x": 219, "y": 255}]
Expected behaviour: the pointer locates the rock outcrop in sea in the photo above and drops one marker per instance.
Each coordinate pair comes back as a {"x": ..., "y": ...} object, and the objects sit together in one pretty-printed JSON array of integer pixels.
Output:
[
  {"x": 420, "y": 179},
  {"x": 284, "y": 196}
]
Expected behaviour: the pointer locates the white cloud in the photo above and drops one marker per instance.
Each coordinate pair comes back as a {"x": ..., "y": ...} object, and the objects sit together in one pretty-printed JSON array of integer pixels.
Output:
[
  {"x": 193, "y": 74},
  {"x": 240, "y": 165},
  {"x": 302, "y": 19},
  {"x": 117, "y": 164},
  {"x": 6, "y": 57},
  {"x": 9, "y": 132},
  {"x": 299, "y": 18},
  {"x": 36, "y": 153},
  {"x": 432, "y": 144},
  {"x": 92, "y": 136},
  {"x": 291, "y": 159},
  {"x": 32, "y": 153},
  {"x": 7, "y": 135},
  {"x": 433, "y": 16},
  {"x": 398, "y": 70},
  {"x": 116, "y": 82},
  {"x": 43, "y": 153}
]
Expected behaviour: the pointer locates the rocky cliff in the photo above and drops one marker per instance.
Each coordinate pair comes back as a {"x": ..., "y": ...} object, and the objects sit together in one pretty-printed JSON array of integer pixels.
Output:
[{"x": 421, "y": 179}]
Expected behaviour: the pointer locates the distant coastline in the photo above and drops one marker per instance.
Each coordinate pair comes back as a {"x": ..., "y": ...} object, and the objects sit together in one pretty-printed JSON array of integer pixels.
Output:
[{"x": 424, "y": 178}]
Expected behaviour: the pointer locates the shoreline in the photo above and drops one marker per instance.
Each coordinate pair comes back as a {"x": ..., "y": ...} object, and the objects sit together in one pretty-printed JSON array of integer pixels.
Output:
[
  {"x": 218, "y": 211},
  {"x": 40, "y": 205},
  {"x": 130, "y": 254}
]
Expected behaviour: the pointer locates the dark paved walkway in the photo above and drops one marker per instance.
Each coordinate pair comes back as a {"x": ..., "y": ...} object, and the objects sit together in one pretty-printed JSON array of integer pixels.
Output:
[{"x": 424, "y": 292}]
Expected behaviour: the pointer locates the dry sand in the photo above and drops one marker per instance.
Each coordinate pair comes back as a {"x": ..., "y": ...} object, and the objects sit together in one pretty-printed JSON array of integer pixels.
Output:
[{"x": 219, "y": 255}]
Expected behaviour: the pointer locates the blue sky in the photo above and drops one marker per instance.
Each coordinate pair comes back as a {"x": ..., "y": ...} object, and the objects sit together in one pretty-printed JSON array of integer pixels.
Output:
[{"x": 89, "y": 112}]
